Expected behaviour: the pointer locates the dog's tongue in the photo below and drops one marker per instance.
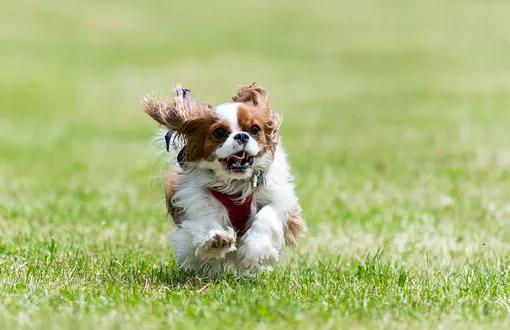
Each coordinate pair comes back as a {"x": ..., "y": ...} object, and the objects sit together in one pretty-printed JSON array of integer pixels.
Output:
[{"x": 236, "y": 157}]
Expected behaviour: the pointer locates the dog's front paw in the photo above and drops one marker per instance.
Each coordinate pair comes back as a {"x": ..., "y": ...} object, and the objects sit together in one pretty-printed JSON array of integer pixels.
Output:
[
  {"x": 216, "y": 244},
  {"x": 257, "y": 253}
]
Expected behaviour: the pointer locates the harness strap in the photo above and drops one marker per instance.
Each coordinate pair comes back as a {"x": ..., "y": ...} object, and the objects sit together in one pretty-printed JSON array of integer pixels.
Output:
[{"x": 239, "y": 213}]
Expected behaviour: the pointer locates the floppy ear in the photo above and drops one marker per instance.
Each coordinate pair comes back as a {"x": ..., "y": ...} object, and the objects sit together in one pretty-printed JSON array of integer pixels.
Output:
[
  {"x": 272, "y": 129},
  {"x": 254, "y": 93},
  {"x": 173, "y": 114}
]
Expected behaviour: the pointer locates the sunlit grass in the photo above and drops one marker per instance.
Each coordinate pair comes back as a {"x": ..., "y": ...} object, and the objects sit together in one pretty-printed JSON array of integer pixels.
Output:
[{"x": 396, "y": 119}]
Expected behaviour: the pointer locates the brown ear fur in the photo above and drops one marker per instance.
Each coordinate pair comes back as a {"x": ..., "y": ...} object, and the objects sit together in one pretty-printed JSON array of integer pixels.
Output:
[
  {"x": 195, "y": 131},
  {"x": 173, "y": 114},
  {"x": 272, "y": 130},
  {"x": 254, "y": 93}
]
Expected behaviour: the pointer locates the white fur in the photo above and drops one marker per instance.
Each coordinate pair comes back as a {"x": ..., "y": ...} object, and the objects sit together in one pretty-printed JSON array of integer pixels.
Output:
[
  {"x": 206, "y": 220},
  {"x": 228, "y": 112}
]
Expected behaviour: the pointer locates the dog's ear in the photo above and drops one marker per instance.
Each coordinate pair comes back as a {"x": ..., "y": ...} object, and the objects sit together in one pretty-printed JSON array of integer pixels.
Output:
[
  {"x": 254, "y": 93},
  {"x": 272, "y": 129},
  {"x": 173, "y": 114}
]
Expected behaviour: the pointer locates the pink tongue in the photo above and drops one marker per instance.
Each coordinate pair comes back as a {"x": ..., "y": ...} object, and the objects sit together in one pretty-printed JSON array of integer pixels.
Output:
[{"x": 235, "y": 157}]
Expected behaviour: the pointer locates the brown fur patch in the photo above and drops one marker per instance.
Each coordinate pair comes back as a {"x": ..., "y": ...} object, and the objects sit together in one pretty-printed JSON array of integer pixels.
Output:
[
  {"x": 254, "y": 93},
  {"x": 272, "y": 130},
  {"x": 294, "y": 228},
  {"x": 171, "y": 188},
  {"x": 200, "y": 140},
  {"x": 248, "y": 116},
  {"x": 174, "y": 113}
]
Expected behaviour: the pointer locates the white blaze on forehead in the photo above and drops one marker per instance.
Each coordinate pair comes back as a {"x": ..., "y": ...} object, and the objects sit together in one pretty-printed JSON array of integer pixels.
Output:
[{"x": 228, "y": 112}]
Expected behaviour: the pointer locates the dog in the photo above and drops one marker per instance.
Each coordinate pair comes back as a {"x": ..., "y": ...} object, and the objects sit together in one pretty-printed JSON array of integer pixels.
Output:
[{"x": 231, "y": 195}]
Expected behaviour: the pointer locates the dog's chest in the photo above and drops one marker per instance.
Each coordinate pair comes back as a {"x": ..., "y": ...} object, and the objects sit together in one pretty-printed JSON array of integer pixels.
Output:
[{"x": 239, "y": 212}]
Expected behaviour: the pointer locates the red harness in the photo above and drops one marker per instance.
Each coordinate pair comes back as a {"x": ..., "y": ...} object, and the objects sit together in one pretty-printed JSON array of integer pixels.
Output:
[{"x": 239, "y": 213}]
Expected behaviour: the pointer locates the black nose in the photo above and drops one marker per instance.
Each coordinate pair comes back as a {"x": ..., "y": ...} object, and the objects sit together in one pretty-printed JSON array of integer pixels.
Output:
[{"x": 242, "y": 137}]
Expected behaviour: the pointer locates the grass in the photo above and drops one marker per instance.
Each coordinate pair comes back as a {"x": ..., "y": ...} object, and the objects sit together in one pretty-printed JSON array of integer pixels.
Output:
[{"x": 396, "y": 118}]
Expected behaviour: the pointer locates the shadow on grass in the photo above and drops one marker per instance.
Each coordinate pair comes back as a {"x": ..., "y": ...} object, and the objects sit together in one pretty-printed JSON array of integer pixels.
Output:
[{"x": 168, "y": 276}]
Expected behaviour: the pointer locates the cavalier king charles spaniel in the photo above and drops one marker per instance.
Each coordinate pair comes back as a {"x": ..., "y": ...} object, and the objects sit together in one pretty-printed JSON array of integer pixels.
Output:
[{"x": 231, "y": 194}]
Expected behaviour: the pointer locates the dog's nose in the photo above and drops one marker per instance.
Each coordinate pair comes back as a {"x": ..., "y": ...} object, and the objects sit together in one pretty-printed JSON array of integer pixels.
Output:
[{"x": 242, "y": 137}]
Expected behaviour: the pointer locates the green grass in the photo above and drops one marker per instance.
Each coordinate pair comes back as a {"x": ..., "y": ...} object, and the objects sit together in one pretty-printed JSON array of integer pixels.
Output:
[{"x": 396, "y": 119}]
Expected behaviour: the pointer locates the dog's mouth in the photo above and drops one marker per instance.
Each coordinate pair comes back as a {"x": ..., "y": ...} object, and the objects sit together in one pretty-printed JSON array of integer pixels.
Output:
[{"x": 239, "y": 162}]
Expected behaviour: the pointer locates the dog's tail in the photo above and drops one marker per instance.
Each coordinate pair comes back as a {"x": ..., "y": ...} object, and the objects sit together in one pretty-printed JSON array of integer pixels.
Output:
[{"x": 295, "y": 227}]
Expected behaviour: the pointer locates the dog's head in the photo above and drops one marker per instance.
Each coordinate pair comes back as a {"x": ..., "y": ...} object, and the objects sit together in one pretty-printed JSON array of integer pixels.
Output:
[{"x": 232, "y": 139}]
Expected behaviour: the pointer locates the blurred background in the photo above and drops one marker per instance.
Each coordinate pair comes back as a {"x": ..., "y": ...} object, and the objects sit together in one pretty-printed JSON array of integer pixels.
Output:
[{"x": 392, "y": 109}]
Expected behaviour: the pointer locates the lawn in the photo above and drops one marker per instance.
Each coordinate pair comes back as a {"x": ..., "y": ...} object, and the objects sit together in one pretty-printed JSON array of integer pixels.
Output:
[{"x": 396, "y": 120}]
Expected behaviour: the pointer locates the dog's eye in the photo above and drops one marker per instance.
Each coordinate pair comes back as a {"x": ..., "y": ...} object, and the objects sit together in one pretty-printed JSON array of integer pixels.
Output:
[
  {"x": 220, "y": 133},
  {"x": 255, "y": 130}
]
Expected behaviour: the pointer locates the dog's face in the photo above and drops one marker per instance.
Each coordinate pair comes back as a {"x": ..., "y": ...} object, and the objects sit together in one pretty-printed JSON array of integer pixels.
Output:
[{"x": 233, "y": 139}]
